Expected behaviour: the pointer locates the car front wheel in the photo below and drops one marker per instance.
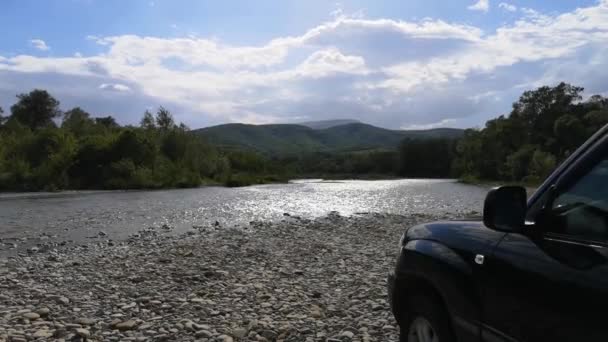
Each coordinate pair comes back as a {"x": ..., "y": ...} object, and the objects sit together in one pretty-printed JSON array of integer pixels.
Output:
[
  {"x": 425, "y": 321},
  {"x": 421, "y": 330}
]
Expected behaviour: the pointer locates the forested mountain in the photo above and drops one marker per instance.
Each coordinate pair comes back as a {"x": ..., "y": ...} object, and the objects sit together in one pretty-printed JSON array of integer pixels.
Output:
[{"x": 285, "y": 139}]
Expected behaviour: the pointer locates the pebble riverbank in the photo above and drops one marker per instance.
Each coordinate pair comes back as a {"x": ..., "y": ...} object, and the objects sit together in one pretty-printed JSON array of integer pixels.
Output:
[{"x": 294, "y": 280}]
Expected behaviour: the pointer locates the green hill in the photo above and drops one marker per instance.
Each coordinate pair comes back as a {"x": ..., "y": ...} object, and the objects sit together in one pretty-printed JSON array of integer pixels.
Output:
[{"x": 291, "y": 138}]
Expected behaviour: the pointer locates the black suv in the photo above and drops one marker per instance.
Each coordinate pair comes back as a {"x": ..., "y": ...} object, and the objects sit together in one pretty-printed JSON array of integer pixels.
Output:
[{"x": 532, "y": 270}]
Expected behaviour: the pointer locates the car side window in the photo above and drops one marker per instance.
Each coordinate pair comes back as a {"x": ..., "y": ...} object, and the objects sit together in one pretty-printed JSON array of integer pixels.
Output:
[{"x": 581, "y": 211}]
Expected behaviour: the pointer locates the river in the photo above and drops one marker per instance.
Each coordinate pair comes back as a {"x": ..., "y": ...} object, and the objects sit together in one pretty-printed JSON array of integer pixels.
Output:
[{"x": 78, "y": 216}]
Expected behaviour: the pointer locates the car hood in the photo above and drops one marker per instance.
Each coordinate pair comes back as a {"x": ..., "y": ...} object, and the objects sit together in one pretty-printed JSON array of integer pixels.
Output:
[{"x": 465, "y": 234}]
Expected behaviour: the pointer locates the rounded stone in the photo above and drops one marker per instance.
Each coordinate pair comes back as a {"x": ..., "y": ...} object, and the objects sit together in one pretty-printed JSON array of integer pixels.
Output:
[
  {"x": 83, "y": 332},
  {"x": 31, "y": 315}
]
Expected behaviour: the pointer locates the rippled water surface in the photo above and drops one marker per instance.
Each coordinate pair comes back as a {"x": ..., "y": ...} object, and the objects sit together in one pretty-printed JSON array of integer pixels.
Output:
[{"x": 79, "y": 214}]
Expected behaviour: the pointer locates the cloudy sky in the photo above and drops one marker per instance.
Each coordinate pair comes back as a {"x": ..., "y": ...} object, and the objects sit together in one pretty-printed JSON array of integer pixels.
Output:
[{"x": 396, "y": 64}]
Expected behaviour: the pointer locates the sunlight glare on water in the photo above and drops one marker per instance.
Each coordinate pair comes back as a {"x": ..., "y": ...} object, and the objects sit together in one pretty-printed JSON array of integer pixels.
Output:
[{"x": 77, "y": 215}]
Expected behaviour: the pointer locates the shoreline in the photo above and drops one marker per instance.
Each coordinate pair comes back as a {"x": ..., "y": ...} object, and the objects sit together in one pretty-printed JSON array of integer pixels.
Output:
[
  {"x": 293, "y": 280},
  {"x": 8, "y": 195},
  {"x": 530, "y": 187}
]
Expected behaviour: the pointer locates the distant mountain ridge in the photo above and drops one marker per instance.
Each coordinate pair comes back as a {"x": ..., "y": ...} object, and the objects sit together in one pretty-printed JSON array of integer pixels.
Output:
[
  {"x": 323, "y": 124},
  {"x": 298, "y": 138}
]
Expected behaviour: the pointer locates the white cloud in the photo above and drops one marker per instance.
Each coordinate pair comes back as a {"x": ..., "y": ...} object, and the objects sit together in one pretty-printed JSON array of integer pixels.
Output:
[
  {"x": 326, "y": 62},
  {"x": 394, "y": 73},
  {"x": 480, "y": 5},
  {"x": 538, "y": 38},
  {"x": 133, "y": 49},
  {"x": 114, "y": 87},
  {"x": 39, "y": 44},
  {"x": 507, "y": 7}
]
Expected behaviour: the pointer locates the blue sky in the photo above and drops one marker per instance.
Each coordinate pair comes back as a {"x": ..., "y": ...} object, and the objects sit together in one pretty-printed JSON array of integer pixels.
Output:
[{"x": 396, "y": 64}]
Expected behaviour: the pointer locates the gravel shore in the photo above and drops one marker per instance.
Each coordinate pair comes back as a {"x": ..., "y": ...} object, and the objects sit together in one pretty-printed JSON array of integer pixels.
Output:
[{"x": 294, "y": 280}]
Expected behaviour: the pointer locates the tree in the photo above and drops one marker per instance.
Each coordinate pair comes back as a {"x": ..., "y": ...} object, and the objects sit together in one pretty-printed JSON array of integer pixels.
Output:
[
  {"x": 174, "y": 145},
  {"x": 599, "y": 101},
  {"x": 36, "y": 109},
  {"x": 541, "y": 165},
  {"x": 425, "y": 158},
  {"x": 134, "y": 146},
  {"x": 2, "y": 118},
  {"x": 183, "y": 127},
  {"x": 164, "y": 119},
  {"x": 107, "y": 122},
  {"x": 545, "y": 125},
  {"x": 537, "y": 110},
  {"x": 147, "y": 122},
  {"x": 468, "y": 154},
  {"x": 569, "y": 133},
  {"x": 77, "y": 121},
  {"x": 96, "y": 153},
  {"x": 518, "y": 163},
  {"x": 50, "y": 153},
  {"x": 595, "y": 120}
]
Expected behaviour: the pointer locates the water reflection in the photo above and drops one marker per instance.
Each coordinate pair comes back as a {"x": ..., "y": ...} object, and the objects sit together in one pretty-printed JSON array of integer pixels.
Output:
[{"x": 78, "y": 215}]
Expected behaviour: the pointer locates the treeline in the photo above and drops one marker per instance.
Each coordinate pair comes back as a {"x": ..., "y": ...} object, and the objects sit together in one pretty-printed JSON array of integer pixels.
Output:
[
  {"x": 346, "y": 164},
  {"x": 544, "y": 127},
  {"x": 43, "y": 148},
  {"x": 416, "y": 158}
]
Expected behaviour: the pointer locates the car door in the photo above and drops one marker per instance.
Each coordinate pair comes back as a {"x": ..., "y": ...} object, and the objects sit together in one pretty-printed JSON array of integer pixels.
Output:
[{"x": 550, "y": 283}]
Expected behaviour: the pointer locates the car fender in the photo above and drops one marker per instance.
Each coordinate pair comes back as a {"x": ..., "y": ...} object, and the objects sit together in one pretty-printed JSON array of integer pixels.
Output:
[{"x": 451, "y": 276}]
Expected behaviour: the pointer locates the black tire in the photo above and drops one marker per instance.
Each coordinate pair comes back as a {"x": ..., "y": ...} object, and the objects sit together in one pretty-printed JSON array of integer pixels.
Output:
[{"x": 430, "y": 308}]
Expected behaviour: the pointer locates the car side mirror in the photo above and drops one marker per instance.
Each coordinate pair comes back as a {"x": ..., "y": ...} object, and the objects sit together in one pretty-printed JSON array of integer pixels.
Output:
[{"x": 505, "y": 208}]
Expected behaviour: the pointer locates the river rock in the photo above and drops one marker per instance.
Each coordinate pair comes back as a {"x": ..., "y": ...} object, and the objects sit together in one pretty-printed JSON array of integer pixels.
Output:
[
  {"x": 31, "y": 315},
  {"x": 225, "y": 338},
  {"x": 43, "y": 312},
  {"x": 84, "y": 333},
  {"x": 347, "y": 334},
  {"x": 43, "y": 333},
  {"x": 85, "y": 321},
  {"x": 239, "y": 332},
  {"x": 203, "y": 333},
  {"x": 317, "y": 279},
  {"x": 126, "y": 325},
  {"x": 63, "y": 300}
]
